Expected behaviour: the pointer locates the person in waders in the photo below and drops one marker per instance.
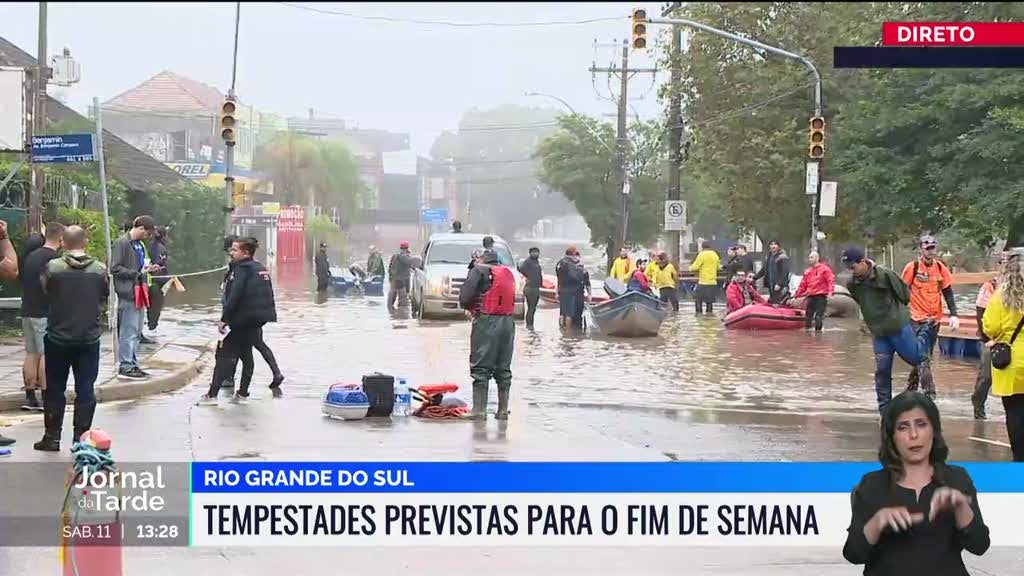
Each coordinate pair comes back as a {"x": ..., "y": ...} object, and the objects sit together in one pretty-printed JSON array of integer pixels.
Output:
[{"x": 488, "y": 296}]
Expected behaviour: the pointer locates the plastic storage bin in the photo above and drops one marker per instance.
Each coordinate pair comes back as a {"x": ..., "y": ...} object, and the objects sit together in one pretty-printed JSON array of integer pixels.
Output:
[{"x": 346, "y": 401}]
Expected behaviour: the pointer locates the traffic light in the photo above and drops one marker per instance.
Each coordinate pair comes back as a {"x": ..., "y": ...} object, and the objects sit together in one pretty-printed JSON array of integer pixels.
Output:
[
  {"x": 639, "y": 28},
  {"x": 228, "y": 122},
  {"x": 816, "y": 138}
]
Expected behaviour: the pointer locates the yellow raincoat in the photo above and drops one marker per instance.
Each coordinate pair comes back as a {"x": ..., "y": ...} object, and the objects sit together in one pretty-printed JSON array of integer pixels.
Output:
[
  {"x": 999, "y": 323},
  {"x": 666, "y": 277},
  {"x": 706, "y": 265},
  {"x": 622, "y": 269}
]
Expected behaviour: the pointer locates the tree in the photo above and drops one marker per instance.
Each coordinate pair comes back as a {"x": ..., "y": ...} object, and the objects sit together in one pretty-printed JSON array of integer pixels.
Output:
[
  {"x": 912, "y": 150},
  {"x": 746, "y": 112},
  {"x": 492, "y": 156},
  {"x": 579, "y": 162},
  {"x": 308, "y": 172}
]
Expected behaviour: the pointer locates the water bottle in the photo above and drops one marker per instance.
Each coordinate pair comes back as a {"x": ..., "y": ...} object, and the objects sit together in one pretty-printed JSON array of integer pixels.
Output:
[{"x": 403, "y": 398}]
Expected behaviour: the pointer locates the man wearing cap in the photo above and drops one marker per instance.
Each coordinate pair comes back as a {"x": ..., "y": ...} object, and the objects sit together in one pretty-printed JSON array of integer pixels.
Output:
[
  {"x": 930, "y": 281},
  {"x": 374, "y": 263},
  {"x": 400, "y": 271},
  {"x": 883, "y": 298},
  {"x": 323, "y": 269}
]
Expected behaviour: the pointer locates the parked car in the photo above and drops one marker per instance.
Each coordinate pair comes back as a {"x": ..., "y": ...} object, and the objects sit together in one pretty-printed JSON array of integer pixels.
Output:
[{"x": 444, "y": 264}]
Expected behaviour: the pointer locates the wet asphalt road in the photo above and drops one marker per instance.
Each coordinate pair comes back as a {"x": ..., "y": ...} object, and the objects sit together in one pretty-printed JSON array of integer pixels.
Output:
[{"x": 695, "y": 393}]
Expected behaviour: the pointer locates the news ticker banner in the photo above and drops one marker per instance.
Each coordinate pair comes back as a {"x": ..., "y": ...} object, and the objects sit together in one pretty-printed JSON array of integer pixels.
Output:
[
  {"x": 939, "y": 45},
  {"x": 459, "y": 504}
]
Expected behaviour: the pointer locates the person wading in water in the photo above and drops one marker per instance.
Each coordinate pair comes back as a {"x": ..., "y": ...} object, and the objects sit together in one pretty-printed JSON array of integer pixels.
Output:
[{"x": 488, "y": 296}]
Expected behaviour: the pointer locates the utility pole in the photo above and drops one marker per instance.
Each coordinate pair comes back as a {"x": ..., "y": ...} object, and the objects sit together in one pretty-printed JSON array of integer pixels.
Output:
[
  {"x": 675, "y": 119},
  {"x": 229, "y": 153},
  {"x": 622, "y": 137},
  {"x": 677, "y": 22},
  {"x": 38, "y": 185}
]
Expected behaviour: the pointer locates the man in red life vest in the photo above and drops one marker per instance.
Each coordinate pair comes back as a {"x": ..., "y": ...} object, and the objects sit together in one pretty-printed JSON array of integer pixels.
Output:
[
  {"x": 488, "y": 296},
  {"x": 638, "y": 282},
  {"x": 739, "y": 290}
]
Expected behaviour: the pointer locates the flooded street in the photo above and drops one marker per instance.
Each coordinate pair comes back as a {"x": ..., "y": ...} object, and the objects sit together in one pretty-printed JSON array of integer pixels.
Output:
[{"x": 784, "y": 394}]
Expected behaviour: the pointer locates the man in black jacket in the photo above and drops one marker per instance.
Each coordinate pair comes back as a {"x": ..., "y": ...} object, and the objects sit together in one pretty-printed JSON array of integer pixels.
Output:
[
  {"x": 400, "y": 272},
  {"x": 248, "y": 306},
  {"x": 775, "y": 273},
  {"x": 323, "y": 268},
  {"x": 158, "y": 252},
  {"x": 77, "y": 287},
  {"x": 746, "y": 261},
  {"x": 570, "y": 287},
  {"x": 531, "y": 270}
]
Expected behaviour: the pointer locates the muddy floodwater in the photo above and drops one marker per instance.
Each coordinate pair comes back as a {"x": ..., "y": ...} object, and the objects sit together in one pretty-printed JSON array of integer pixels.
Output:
[{"x": 812, "y": 392}]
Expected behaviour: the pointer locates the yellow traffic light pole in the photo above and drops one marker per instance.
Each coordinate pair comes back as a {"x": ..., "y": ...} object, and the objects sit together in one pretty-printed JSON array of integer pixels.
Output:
[{"x": 639, "y": 16}]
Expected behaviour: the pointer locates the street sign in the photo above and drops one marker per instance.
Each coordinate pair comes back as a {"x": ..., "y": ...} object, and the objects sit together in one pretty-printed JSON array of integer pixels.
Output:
[
  {"x": 675, "y": 215},
  {"x": 62, "y": 148},
  {"x": 433, "y": 215},
  {"x": 829, "y": 194},
  {"x": 812, "y": 179}
]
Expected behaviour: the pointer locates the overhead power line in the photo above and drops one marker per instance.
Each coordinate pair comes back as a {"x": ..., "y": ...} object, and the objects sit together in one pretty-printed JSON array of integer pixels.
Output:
[{"x": 451, "y": 24}]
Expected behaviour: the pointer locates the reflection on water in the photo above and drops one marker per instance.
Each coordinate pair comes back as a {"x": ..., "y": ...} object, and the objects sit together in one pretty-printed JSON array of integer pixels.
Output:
[{"x": 693, "y": 364}]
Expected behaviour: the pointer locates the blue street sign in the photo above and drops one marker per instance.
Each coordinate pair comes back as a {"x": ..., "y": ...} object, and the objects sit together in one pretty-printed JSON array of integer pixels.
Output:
[
  {"x": 62, "y": 148},
  {"x": 433, "y": 215}
]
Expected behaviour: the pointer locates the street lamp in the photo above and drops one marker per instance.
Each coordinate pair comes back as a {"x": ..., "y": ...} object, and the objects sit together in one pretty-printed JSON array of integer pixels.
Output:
[
  {"x": 815, "y": 234},
  {"x": 574, "y": 113}
]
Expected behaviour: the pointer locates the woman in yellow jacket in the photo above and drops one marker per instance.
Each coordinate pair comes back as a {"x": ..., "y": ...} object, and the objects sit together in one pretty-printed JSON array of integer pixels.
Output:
[
  {"x": 665, "y": 280},
  {"x": 1003, "y": 317}
]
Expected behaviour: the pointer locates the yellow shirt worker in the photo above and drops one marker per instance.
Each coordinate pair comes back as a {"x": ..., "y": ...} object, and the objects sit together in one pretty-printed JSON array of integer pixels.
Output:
[
  {"x": 623, "y": 267},
  {"x": 706, "y": 266}
]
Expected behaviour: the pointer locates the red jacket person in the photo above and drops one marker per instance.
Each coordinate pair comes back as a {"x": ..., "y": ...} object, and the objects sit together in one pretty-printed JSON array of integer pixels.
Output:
[{"x": 488, "y": 296}]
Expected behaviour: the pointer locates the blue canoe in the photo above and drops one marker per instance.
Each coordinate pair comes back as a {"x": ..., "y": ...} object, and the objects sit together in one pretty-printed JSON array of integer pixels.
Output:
[{"x": 631, "y": 315}]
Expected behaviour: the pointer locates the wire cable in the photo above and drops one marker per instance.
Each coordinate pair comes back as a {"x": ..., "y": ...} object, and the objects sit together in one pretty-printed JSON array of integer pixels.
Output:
[{"x": 451, "y": 24}]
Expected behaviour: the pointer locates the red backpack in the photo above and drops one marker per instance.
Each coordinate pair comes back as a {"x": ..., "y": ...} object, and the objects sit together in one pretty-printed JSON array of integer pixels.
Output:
[{"x": 500, "y": 300}]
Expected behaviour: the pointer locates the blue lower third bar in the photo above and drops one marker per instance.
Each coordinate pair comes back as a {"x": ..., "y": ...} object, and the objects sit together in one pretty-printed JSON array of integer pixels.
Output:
[
  {"x": 927, "y": 57},
  {"x": 559, "y": 477}
]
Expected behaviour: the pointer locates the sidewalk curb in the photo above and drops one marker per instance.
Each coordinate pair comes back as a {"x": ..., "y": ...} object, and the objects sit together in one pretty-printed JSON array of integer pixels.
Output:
[{"x": 113, "y": 389}]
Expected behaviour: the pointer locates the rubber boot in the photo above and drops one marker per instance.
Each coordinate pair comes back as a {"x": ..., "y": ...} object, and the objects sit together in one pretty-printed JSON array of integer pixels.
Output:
[
  {"x": 83, "y": 418},
  {"x": 504, "y": 391},
  {"x": 926, "y": 379},
  {"x": 479, "y": 403},
  {"x": 53, "y": 421}
]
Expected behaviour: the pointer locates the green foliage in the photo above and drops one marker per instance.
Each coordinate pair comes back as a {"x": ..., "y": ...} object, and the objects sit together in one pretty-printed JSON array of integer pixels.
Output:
[
  {"x": 93, "y": 224},
  {"x": 306, "y": 171},
  {"x": 319, "y": 229},
  {"x": 579, "y": 162},
  {"x": 195, "y": 216},
  {"x": 912, "y": 150},
  {"x": 492, "y": 155}
]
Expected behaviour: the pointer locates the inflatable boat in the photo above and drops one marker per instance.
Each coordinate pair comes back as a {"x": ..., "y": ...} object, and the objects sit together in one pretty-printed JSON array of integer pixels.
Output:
[{"x": 765, "y": 317}]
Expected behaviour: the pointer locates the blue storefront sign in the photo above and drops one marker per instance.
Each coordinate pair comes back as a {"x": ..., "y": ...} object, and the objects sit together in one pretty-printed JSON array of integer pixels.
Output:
[
  {"x": 62, "y": 148},
  {"x": 433, "y": 215}
]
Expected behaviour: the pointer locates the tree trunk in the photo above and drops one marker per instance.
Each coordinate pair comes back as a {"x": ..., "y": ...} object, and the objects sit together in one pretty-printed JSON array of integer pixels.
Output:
[{"x": 609, "y": 251}]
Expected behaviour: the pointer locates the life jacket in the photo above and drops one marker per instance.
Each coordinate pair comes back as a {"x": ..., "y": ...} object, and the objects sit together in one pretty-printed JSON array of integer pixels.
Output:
[{"x": 500, "y": 299}]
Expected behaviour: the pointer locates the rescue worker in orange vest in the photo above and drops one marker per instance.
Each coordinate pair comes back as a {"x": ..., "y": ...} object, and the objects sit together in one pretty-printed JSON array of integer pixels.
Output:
[
  {"x": 930, "y": 282},
  {"x": 488, "y": 296}
]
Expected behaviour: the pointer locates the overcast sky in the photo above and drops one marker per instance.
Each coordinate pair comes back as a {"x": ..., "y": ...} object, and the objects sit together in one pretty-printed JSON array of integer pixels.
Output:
[{"x": 415, "y": 78}]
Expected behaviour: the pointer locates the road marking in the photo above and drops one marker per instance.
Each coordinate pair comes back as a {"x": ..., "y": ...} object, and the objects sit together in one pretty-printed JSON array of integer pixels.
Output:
[{"x": 987, "y": 441}]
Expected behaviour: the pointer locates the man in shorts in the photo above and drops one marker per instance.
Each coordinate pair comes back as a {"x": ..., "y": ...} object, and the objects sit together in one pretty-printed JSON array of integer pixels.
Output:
[{"x": 34, "y": 308}]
